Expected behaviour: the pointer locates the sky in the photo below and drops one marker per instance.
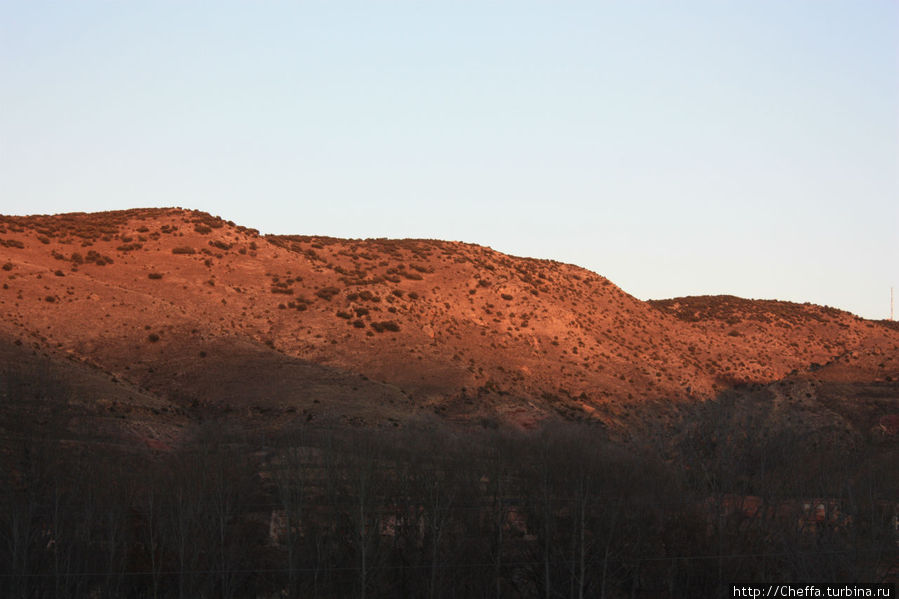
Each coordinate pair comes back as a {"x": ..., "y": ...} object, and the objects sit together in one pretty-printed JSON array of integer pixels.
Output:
[{"x": 677, "y": 148}]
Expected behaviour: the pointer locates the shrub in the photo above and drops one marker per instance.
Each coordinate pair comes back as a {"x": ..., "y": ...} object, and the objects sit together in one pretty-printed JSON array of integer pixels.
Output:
[
  {"x": 184, "y": 250},
  {"x": 153, "y": 337},
  {"x": 506, "y": 297},
  {"x": 50, "y": 299},
  {"x": 342, "y": 314},
  {"x": 129, "y": 247},
  {"x": 202, "y": 229},
  {"x": 368, "y": 296},
  {"x": 8, "y": 266},
  {"x": 386, "y": 325},
  {"x": 97, "y": 258},
  {"x": 326, "y": 293},
  {"x": 358, "y": 324},
  {"x": 154, "y": 275}
]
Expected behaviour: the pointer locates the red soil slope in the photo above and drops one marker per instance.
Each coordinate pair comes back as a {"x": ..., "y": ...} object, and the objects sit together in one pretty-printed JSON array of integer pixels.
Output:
[{"x": 200, "y": 311}]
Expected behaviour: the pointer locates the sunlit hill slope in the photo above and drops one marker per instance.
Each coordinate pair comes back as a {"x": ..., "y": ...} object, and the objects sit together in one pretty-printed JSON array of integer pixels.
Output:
[{"x": 200, "y": 316}]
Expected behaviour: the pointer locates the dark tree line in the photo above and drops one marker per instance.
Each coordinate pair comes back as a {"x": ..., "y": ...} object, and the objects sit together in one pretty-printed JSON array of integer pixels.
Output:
[{"x": 425, "y": 513}]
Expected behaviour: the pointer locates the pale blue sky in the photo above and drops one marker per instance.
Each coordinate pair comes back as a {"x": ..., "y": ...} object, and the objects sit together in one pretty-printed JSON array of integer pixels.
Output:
[{"x": 678, "y": 148}]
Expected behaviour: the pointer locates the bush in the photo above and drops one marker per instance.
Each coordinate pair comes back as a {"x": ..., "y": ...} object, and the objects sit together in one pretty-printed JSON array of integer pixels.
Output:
[
  {"x": 154, "y": 275},
  {"x": 184, "y": 250},
  {"x": 327, "y": 293},
  {"x": 97, "y": 258},
  {"x": 153, "y": 337},
  {"x": 386, "y": 325},
  {"x": 202, "y": 229},
  {"x": 368, "y": 296}
]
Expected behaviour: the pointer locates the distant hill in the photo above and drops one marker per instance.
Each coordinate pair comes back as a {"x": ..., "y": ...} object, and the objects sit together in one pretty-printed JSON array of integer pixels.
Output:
[{"x": 192, "y": 316}]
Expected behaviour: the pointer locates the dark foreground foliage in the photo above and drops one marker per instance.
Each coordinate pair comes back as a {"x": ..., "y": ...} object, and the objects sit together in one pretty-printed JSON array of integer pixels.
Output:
[{"x": 363, "y": 513}]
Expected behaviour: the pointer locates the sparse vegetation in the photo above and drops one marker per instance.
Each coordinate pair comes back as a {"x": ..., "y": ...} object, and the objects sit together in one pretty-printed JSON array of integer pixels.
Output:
[
  {"x": 219, "y": 244},
  {"x": 386, "y": 325},
  {"x": 326, "y": 293}
]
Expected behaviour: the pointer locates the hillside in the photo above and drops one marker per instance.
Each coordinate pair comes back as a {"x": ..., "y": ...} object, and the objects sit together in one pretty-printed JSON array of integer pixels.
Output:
[
  {"x": 189, "y": 408},
  {"x": 207, "y": 315}
]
